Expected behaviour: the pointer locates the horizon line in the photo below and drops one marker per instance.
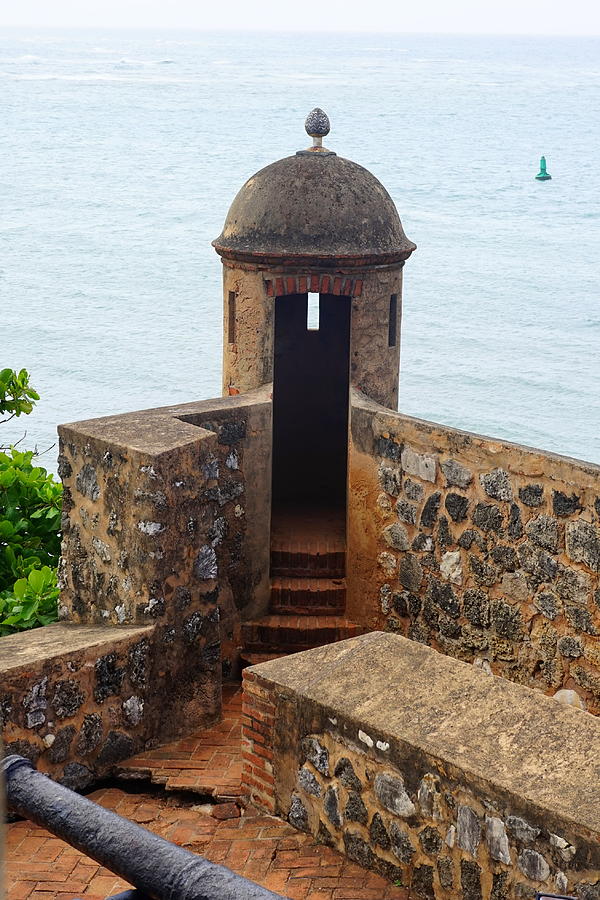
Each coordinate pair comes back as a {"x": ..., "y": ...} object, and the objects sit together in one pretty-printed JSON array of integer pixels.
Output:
[{"x": 266, "y": 30}]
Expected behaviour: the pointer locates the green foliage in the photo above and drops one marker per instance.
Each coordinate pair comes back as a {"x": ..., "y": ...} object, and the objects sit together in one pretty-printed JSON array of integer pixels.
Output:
[
  {"x": 30, "y": 508},
  {"x": 16, "y": 395},
  {"x": 31, "y": 602}
]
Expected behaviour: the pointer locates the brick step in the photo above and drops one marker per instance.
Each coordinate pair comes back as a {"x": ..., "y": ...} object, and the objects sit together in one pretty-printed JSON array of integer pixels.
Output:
[
  {"x": 290, "y": 634},
  {"x": 308, "y": 561},
  {"x": 312, "y": 596}
]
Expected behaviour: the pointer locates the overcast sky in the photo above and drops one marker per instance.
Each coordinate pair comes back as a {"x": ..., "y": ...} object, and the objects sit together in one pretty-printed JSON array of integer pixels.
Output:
[{"x": 579, "y": 17}]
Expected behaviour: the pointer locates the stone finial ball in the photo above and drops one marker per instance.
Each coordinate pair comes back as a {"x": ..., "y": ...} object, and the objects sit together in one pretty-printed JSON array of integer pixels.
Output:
[{"x": 317, "y": 123}]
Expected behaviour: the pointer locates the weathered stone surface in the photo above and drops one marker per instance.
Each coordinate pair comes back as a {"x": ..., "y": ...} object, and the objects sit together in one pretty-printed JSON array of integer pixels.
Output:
[
  {"x": 422, "y": 882},
  {"x": 506, "y": 620},
  {"x": 67, "y": 699},
  {"x": 515, "y": 523},
  {"x": 451, "y": 567},
  {"x": 457, "y": 506},
  {"x": 116, "y": 747},
  {"x": 77, "y": 777},
  {"x": 378, "y": 833},
  {"x": 316, "y": 754},
  {"x": 456, "y": 474},
  {"x": 496, "y": 484},
  {"x": 430, "y": 510},
  {"x": 580, "y": 619},
  {"x": 344, "y": 770},
  {"x": 413, "y": 490},
  {"x": 424, "y": 467},
  {"x": 533, "y": 865},
  {"x": 430, "y": 840},
  {"x": 537, "y": 562},
  {"x": 444, "y": 597},
  {"x": 389, "y": 448},
  {"x": 392, "y": 795},
  {"x": 406, "y": 511},
  {"x": 133, "y": 710},
  {"x": 547, "y": 604},
  {"x": 87, "y": 482},
  {"x": 61, "y": 746},
  {"x": 411, "y": 572},
  {"x": 395, "y": 536},
  {"x": 470, "y": 880},
  {"x": 500, "y": 886},
  {"x": 401, "y": 844},
  {"x": 532, "y": 494},
  {"x": 583, "y": 543},
  {"x": 470, "y": 537},
  {"x": 390, "y": 480},
  {"x": 543, "y": 531},
  {"x": 90, "y": 734},
  {"x": 477, "y": 607},
  {"x": 573, "y": 586},
  {"x": 570, "y": 646},
  {"x": 563, "y": 505},
  {"x": 308, "y": 782},
  {"x": 468, "y": 829},
  {"x": 505, "y": 557},
  {"x": 331, "y": 806},
  {"x": 445, "y": 872},
  {"x": 109, "y": 677},
  {"x": 497, "y": 839},
  {"x": 206, "y": 566},
  {"x": 298, "y": 815},
  {"x": 355, "y": 810},
  {"x": 358, "y": 850},
  {"x": 488, "y": 517}
]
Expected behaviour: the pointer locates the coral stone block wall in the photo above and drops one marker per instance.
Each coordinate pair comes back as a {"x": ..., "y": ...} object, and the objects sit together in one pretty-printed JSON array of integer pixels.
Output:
[
  {"x": 166, "y": 519},
  {"x": 165, "y": 546},
  {"x": 432, "y": 773},
  {"x": 485, "y": 550},
  {"x": 77, "y": 699}
]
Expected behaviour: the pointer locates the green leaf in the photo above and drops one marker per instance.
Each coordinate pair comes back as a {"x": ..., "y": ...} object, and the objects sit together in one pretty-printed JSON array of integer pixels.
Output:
[
  {"x": 20, "y": 588},
  {"x": 37, "y": 580}
]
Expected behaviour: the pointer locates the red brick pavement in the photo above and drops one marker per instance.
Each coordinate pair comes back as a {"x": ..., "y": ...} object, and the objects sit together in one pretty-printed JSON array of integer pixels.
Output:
[
  {"x": 260, "y": 847},
  {"x": 208, "y": 761}
]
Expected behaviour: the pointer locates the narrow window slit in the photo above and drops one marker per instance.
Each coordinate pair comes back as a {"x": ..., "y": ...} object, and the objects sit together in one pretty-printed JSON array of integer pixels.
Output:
[
  {"x": 393, "y": 320},
  {"x": 312, "y": 312},
  {"x": 231, "y": 317}
]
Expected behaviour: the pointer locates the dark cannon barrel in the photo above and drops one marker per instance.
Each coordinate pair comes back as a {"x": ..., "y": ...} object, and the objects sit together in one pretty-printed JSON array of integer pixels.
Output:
[{"x": 156, "y": 867}]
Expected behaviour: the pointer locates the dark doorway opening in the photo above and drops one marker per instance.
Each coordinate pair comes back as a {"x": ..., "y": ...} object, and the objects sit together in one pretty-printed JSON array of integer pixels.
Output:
[{"x": 310, "y": 402}]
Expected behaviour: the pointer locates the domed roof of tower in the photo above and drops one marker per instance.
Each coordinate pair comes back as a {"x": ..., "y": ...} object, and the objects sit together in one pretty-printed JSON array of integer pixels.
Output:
[{"x": 314, "y": 206}]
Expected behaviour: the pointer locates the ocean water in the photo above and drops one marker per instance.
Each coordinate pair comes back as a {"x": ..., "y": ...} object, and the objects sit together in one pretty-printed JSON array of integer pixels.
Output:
[{"x": 121, "y": 152}]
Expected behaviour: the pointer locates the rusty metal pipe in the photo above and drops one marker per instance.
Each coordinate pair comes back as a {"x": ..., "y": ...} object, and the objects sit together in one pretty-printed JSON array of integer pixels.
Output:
[{"x": 154, "y": 866}]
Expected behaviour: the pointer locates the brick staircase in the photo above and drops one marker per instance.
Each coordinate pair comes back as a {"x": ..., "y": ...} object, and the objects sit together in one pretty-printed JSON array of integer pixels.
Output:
[{"x": 308, "y": 588}]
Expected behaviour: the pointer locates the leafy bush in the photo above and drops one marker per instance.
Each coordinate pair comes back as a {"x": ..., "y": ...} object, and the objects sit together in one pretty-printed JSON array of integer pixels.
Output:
[{"x": 30, "y": 507}]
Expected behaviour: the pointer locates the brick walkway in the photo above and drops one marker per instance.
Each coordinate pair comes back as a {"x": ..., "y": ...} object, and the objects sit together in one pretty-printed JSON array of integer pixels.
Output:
[
  {"x": 208, "y": 761},
  {"x": 263, "y": 848}
]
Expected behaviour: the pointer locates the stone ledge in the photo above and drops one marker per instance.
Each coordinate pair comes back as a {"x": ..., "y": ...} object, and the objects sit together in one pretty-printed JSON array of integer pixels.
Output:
[
  {"x": 33, "y": 647},
  {"x": 502, "y": 735}
]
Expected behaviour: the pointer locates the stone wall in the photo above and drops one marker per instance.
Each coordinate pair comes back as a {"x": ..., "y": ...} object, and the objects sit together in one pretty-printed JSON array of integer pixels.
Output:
[
  {"x": 449, "y": 781},
  {"x": 485, "y": 550},
  {"x": 77, "y": 699},
  {"x": 166, "y": 517},
  {"x": 166, "y": 521}
]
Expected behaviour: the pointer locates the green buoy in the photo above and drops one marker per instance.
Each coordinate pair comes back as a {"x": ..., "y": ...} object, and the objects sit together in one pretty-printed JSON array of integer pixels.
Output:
[{"x": 542, "y": 174}]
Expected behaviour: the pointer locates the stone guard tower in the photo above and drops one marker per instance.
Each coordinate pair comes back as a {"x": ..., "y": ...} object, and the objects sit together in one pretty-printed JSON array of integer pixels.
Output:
[
  {"x": 313, "y": 251},
  {"x": 235, "y": 526}
]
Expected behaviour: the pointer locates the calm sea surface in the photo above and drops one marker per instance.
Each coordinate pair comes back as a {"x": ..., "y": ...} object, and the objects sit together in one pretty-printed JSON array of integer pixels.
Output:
[{"x": 121, "y": 151}]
